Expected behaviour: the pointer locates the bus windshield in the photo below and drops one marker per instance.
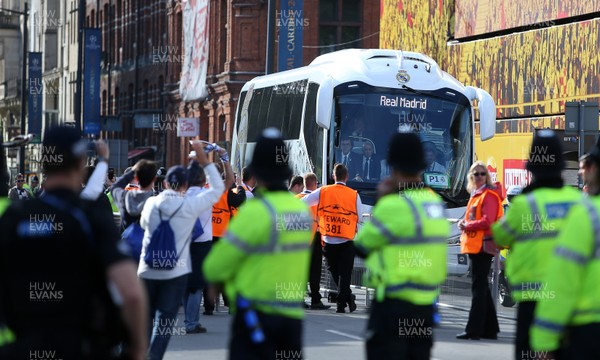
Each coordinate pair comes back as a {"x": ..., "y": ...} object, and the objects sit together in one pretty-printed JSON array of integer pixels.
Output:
[{"x": 367, "y": 116}]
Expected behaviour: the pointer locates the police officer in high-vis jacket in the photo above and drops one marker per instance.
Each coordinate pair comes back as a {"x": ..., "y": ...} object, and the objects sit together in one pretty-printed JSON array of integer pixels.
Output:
[
  {"x": 263, "y": 260},
  {"x": 530, "y": 228},
  {"x": 567, "y": 321},
  {"x": 405, "y": 246}
]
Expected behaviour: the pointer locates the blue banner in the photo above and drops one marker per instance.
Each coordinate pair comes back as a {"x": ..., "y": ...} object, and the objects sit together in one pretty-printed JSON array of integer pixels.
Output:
[
  {"x": 35, "y": 92},
  {"x": 291, "y": 23},
  {"x": 91, "y": 80}
]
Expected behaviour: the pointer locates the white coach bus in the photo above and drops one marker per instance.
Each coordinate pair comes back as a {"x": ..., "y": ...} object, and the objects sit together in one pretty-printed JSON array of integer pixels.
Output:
[
  {"x": 363, "y": 97},
  {"x": 359, "y": 98}
]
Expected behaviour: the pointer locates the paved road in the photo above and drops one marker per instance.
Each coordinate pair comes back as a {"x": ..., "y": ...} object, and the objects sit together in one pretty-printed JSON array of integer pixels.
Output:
[{"x": 332, "y": 336}]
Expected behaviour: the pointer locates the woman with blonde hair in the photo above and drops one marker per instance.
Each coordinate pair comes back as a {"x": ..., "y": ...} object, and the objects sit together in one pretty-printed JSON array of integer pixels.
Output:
[{"x": 484, "y": 208}]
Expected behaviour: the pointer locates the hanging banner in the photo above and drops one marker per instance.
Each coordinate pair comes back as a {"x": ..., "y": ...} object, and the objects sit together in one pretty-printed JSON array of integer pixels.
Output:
[
  {"x": 91, "y": 80},
  {"x": 195, "y": 41},
  {"x": 290, "y": 22},
  {"x": 36, "y": 89}
]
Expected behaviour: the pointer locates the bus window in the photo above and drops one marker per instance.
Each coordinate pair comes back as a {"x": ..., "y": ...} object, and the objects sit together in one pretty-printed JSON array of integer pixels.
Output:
[{"x": 313, "y": 133}]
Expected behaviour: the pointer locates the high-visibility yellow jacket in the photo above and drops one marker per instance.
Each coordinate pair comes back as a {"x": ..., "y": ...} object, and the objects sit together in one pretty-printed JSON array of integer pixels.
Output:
[
  {"x": 530, "y": 228},
  {"x": 572, "y": 278},
  {"x": 406, "y": 243},
  {"x": 264, "y": 255}
]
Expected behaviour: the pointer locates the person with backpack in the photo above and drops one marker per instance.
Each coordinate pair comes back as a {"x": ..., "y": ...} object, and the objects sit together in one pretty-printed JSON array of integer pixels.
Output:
[
  {"x": 168, "y": 220},
  {"x": 60, "y": 300},
  {"x": 134, "y": 201}
]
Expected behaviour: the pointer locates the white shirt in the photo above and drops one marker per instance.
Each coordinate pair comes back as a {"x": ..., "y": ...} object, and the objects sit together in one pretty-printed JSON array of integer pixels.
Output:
[
  {"x": 205, "y": 218},
  {"x": 249, "y": 194},
  {"x": 95, "y": 184},
  {"x": 182, "y": 223},
  {"x": 313, "y": 198}
]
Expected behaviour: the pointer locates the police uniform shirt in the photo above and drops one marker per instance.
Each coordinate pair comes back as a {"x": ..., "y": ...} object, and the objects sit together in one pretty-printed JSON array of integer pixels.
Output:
[{"x": 49, "y": 268}]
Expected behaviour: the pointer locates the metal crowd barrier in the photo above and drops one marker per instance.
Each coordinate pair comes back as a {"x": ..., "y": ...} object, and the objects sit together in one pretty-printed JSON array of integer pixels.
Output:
[{"x": 357, "y": 281}]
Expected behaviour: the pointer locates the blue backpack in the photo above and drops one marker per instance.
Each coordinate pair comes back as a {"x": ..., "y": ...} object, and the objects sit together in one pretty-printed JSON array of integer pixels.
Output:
[
  {"x": 133, "y": 236},
  {"x": 161, "y": 253},
  {"x": 198, "y": 230}
]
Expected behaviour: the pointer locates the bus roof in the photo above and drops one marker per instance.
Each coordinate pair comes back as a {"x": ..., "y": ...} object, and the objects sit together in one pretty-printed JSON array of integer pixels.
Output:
[{"x": 376, "y": 67}]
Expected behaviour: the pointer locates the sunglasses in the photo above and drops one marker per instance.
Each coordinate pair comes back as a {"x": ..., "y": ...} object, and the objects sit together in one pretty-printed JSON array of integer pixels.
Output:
[
  {"x": 479, "y": 174},
  {"x": 20, "y": 180}
]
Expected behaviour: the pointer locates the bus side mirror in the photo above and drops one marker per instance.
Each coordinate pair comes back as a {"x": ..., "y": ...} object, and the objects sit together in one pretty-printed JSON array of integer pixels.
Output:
[
  {"x": 325, "y": 103},
  {"x": 487, "y": 111}
]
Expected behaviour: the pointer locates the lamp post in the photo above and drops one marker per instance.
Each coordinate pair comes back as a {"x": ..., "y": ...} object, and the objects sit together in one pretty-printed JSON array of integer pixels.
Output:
[{"x": 25, "y": 13}]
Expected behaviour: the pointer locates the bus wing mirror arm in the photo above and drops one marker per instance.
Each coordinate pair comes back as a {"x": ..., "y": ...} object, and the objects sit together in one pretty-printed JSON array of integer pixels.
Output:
[
  {"x": 487, "y": 111},
  {"x": 325, "y": 103}
]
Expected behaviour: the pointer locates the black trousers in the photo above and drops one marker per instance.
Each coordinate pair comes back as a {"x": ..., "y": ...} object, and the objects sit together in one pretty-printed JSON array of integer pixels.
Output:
[
  {"x": 582, "y": 342},
  {"x": 483, "y": 321},
  {"x": 316, "y": 261},
  {"x": 283, "y": 338},
  {"x": 340, "y": 262},
  {"x": 209, "y": 304},
  {"x": 400, "y": 330},
  {"x": 525, "y": 315}
]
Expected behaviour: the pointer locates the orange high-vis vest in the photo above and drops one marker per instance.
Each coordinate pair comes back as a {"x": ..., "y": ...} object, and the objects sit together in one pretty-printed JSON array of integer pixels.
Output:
[
  {"x": 471, "y": 242},
  {"x": 314, "y": 212},
  {"x": 337, "y": 211},
  {"x": 220, "y": 216}
]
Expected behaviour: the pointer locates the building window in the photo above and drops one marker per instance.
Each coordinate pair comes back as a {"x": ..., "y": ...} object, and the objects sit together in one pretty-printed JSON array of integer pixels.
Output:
[{"x": 339, "y": 25}]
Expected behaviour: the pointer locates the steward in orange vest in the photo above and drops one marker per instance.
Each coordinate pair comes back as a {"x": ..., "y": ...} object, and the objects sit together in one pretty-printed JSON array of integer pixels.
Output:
[
  {"x": 338, "y": 209},
  {"x": 477, "y": 223},
  {"x": 484, "y": 209}
]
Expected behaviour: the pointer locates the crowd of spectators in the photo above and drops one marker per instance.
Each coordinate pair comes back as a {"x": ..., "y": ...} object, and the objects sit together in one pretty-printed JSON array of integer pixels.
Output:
[{"x": 475, "y": 17}]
